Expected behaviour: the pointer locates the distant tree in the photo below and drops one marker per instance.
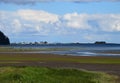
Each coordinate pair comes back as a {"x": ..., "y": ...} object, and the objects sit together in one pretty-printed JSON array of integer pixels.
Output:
[
  {"x": 4, "y": 40},
  {"x": 30, "y": 43},
  {"x": 100, "y": 42},
  {"x": 45, "y": 42},
  {"x": 36, "y": 43}
]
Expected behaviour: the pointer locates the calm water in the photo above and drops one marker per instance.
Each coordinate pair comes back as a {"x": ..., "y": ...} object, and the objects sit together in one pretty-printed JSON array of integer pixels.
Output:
[{"x": 77, "y": 49}]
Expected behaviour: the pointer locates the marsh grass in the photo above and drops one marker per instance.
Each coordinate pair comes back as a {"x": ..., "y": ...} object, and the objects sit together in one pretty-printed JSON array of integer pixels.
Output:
[
  {"x": 21, "y": 49},
  {"x": 21, "y": 57},
  {"x": 50, "y": 75}
]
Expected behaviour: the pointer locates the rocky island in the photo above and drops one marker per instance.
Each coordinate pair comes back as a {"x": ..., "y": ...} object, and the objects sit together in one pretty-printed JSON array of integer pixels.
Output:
[{"x": 4, "y": 40}]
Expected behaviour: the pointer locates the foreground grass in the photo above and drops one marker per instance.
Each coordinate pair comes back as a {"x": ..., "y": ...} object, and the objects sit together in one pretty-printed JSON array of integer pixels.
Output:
[{"x": 48, "y": 75}]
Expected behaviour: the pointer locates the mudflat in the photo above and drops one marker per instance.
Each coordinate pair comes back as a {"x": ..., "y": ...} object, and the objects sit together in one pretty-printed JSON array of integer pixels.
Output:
[{"x": 106, "y": 64}]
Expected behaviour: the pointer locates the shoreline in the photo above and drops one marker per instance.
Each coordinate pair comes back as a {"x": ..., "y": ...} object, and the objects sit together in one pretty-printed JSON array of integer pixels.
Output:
[{"x": 103, "y": 54}]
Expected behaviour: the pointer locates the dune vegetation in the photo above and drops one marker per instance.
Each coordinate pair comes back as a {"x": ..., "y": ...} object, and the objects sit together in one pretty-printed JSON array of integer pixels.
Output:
[{"x": 51, "y": 75}]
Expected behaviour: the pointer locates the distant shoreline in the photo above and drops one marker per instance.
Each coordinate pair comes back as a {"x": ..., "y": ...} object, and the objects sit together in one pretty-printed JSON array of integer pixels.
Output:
[{"x": 60, "y": 44}]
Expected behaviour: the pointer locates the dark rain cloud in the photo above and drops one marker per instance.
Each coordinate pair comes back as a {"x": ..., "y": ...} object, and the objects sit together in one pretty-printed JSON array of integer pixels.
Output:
[{"x": 38, "y": 1}]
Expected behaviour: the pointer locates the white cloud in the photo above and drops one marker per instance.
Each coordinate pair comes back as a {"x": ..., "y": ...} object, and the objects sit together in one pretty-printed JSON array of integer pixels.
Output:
[
  {"x": 16, "y": 25},
  {"x": 78, "y": 21},
  {"x": 37, "y": 16},
  {"x": 33, "y": 22},
  {"x": 110, "y": 22},
  {"x": 38, "y": 1},
  {"x": 26, "y": 20},
  {"x": 102, "y": 22}
]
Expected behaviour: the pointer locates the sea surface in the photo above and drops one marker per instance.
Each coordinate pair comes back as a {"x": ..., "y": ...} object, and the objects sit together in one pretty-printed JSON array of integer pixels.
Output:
[{"x": 75, "y": 49}]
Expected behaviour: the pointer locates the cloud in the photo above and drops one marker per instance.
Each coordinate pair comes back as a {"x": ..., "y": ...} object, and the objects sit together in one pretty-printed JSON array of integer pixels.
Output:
[
  {"x": 38, "y": 20},
  {"x": 38, "y": 1},
  {"x": 39, "y": 16},
  {"x": 103, "y": 22},
  {"x": 26, "y": 20},
  {"x": 16, "y": 23},
  {"x": 110, "y": 22},
  {"x": 99, "y": 37},
  {"x": 78, "y": 21},
  {"x": 32, "y": 22}
]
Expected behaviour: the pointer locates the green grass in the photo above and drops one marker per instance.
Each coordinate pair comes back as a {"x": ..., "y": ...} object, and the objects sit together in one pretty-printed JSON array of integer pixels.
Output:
[
  {"x": 9, "y": 58},
  {"x": 49, "y": 75},
  {"x": 11, "y": 49}
]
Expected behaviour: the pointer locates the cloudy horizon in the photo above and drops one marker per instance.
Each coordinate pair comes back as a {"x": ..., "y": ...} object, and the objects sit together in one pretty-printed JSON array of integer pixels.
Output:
[{"x": 61, "y": 22}]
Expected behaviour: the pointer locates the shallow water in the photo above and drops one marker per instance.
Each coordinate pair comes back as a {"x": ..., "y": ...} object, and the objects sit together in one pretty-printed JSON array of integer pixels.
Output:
[{"x": 76, "y": 49}]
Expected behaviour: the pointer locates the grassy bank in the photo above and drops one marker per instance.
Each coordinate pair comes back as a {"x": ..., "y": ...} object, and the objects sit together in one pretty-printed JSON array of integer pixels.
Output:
[{"x": 48, "y": 75}]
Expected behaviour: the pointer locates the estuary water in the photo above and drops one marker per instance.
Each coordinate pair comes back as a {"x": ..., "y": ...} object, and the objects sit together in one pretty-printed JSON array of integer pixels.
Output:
[{"x": 75, "y": 49}]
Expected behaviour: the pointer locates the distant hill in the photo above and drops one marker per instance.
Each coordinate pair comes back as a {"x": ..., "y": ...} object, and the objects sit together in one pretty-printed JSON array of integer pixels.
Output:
[{"x": 4, "y": 40}]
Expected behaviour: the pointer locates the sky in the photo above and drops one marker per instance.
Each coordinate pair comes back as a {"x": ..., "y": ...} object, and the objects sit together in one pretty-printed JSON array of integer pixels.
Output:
[{"x": 61, "y": 21}]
